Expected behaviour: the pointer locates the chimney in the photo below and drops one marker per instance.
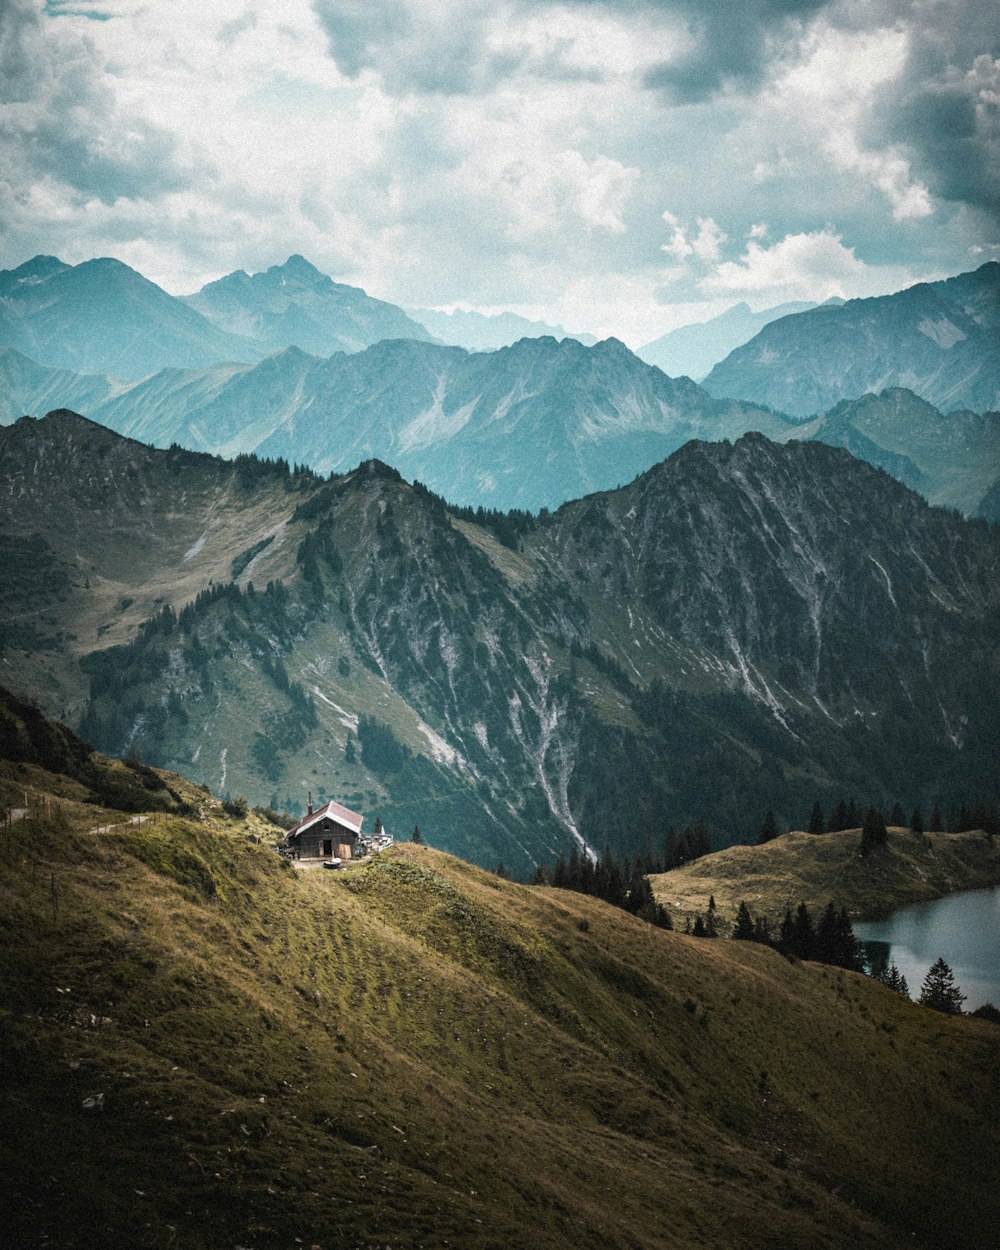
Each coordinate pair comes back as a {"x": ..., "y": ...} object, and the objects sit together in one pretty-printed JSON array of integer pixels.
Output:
[{"x": 310, "y": 811}]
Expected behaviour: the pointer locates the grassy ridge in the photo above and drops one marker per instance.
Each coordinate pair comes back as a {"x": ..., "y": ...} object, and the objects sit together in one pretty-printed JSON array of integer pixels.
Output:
[
  {"x": 417, "y": 1053},
  {"x": 801, "y": 867}
]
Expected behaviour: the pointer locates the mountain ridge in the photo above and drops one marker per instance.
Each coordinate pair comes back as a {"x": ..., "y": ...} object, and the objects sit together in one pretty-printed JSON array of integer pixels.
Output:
[
  {"x": 939, "y": 340},
  {"x": 513, "y": 685}
]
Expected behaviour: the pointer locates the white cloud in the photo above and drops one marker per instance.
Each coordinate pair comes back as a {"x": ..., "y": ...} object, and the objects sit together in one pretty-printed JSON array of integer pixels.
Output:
[{"x": 813, "y": 265}]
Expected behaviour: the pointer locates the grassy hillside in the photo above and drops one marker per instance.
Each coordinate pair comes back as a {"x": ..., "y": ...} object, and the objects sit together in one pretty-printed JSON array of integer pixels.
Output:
[
  {"x": 800, "y": 867},
  {"x": 202, "y": 1046}
]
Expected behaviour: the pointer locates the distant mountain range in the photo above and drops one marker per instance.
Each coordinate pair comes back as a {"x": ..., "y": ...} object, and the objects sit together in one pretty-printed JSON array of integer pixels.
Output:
[
  {"x": 103, "y": 317},
  {"x": 746, "y": 626},
  {"x": 940, "y": 340},
  {"x": 528, "y": 426},
  {"x": 294, "y": 305},
  {"x": 479, "y": 332},
  {"x": 691, "y": 350}
]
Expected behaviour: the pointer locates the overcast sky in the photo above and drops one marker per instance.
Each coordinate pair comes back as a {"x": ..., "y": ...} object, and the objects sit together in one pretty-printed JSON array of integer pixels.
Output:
[{"x": 620, "y": 166}]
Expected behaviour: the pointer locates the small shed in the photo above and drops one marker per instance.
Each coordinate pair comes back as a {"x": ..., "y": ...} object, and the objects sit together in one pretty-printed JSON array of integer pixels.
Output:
[{"x": 330, "y": 832}]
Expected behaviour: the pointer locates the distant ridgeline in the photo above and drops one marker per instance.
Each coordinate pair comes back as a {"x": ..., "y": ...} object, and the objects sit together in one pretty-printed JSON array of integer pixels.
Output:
[{"x": 745, "y": 627}]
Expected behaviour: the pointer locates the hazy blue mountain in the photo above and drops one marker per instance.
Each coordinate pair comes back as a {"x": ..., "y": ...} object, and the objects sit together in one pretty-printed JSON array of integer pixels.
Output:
[
  {"x": 952, "y": 459},
  {"x": 479, "y": 332},
  {"x": 941, "y": 341},
  {"x": 27, "y": 388},
  {"x": 295, "y": 305},
  {"x": 745, "y": 626},
  {"x": 103, "y": 317},
  {"x": 692, "y": 350},
  {"x": 527, "y": 426}
]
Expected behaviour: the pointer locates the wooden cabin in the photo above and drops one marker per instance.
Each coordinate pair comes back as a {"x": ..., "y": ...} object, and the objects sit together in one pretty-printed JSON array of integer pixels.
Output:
[{"x": 330, "y": 832}]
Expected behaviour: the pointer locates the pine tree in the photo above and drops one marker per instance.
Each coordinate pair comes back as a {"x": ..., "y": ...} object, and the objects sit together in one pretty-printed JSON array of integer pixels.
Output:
[
  {"x": 743, "y": 930},
  {"x": 816, "y": 822},
  {"x": 917, "y": 821},
  {"x": 417, "y": 835},
  {"x": 768, "y": 830},
  {"x": 937, "y": 820},
  {"x": 873, "y": 833},
  {"x": 853, "y": 815},
  {"x": 896, "y": 981},
  {"x": 838, "y": 818},
  {"x": 699, "y": 926},
  {"x": 939, "y": 991},
  {"x": 896, "y": 817}
]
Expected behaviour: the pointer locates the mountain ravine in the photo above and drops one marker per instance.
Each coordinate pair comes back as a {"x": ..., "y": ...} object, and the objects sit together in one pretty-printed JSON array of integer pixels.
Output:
[{"x": 745, "y": 626}]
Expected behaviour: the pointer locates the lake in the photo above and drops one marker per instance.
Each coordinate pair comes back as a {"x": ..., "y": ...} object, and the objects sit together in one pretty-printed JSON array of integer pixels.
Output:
[{"x": 964, "y": 929}]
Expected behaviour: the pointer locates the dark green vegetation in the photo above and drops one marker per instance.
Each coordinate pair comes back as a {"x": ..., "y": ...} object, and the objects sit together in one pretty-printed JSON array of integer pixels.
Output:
[
  {"x": 628, "y": 667},
  {"x": 201, "y": 1046},
  {"x": 939, "y": 339}
]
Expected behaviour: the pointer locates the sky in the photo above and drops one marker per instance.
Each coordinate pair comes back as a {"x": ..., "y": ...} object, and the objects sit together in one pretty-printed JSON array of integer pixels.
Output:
[{"x": 616, "y": 166}]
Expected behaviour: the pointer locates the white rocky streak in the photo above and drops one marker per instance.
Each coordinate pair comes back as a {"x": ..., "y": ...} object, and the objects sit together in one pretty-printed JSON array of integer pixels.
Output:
[
  {"x": 195, "y": 547},
  {"x": 888, "y": 583},
  {"x": 347, "y": 719},
  {"x": 441, "y": 751},
  {"x": 222, "y": 761}
]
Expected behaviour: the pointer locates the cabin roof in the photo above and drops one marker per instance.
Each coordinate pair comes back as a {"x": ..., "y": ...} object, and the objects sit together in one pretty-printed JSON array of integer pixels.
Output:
[{"x": 329, "y": 811}]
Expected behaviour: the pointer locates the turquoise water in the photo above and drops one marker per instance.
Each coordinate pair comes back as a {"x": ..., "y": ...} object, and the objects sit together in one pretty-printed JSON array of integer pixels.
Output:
[{"x": 964, "y": 929}]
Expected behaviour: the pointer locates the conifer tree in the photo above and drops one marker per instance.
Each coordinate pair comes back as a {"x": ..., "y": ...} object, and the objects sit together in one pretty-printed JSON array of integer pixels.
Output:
[
  {"x": 853, "y": 815},
  {"x": 917, "y": 821},
  {"x": 896, "y": 981},
  {"x": 743, "y": 930},
  {"x": 768, "y": 830},
  {"x": 417, "y": 835},
  {"x": 873, "y": 833},
  {"x": 939, "y": 991},
  {"x": 937, "y": 820},
  {"x": 816, "y": 822},
  {"x": 838, "y": 818},
  {"x": 896, "y": 817}
]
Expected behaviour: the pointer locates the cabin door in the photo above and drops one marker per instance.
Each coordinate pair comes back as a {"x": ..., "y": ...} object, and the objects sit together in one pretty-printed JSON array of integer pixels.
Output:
[{"x": 328, "y": 847}]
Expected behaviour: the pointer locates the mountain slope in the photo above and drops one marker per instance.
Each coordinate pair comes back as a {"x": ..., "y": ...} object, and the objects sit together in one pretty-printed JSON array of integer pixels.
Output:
[
  {"x": 951, "y": 459},
  {"x": 939, "y": 340},
  {"x": 742, "y": 627},
  {"x": 415, "y": 1053},
  {"x": 295, "y": 305},
  {"x": 691, "y": 350},
  {"x": 103, "y": 317}
]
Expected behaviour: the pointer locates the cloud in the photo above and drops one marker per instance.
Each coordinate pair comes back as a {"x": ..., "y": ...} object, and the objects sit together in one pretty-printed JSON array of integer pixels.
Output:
[
  {"x": 62, "y": 119},
  {"x": 729, "y": 47},
  {"x": 704, "y": 245},
  {"x": 810, "y": 265},
  {"x": 944, "y": 110}
]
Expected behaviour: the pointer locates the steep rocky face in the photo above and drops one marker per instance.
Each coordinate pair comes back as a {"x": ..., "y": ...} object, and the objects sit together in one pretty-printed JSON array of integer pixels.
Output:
[
  {"x": 103, "y": 317},
  {"x": 295, "y": 305},
  {"x": 940, "y": 341},
  {"x": 744, "y": 627}
]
